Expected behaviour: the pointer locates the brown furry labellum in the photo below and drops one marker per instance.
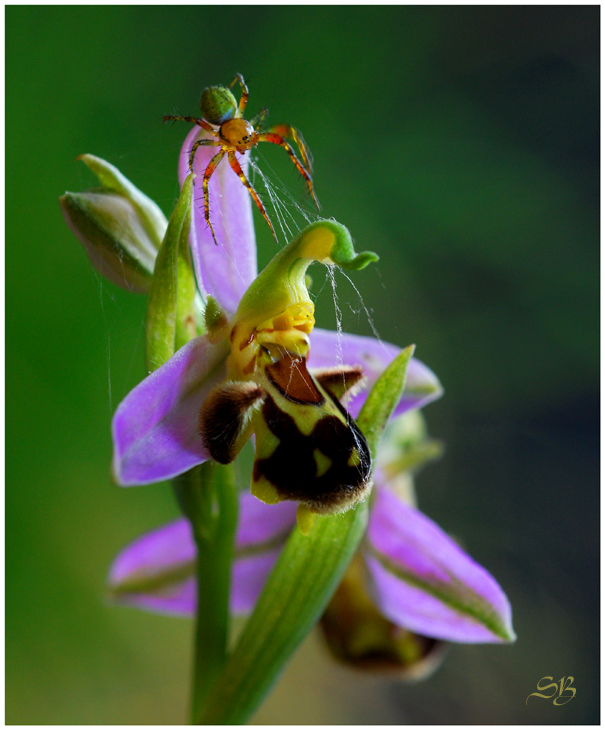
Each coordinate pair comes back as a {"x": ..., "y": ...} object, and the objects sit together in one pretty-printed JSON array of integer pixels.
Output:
[{"x": 308, "y": 448}]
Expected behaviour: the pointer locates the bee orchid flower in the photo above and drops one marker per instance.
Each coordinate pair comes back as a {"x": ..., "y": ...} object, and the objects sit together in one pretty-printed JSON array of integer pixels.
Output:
[
  {"x": 234, "y": 355},
  {"x": 263, "y": 368}
]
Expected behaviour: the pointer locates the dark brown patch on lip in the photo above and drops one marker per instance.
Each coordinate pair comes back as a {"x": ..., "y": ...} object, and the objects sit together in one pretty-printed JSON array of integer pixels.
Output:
[
  {"x": 291, "y": 378},
  {"x": 223, "y": 415},
  {"x": 339, "y": 380},
  {"x": 292, "y": 468}
]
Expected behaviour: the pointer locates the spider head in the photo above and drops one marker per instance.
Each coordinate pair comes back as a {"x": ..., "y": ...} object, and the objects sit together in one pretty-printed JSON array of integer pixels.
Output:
[{"x": 218, "y": 105}]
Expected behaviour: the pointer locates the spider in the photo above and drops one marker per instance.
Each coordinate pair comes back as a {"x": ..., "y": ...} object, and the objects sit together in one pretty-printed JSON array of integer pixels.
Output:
[{"x": 236, "y": 134}]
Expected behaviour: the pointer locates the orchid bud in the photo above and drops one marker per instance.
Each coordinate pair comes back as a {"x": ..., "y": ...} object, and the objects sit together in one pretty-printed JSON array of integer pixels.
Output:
[
  {"x": 120, "y": 228},
  {"x": 405, "y": 449},
  {"x": 358, "y": 635}
]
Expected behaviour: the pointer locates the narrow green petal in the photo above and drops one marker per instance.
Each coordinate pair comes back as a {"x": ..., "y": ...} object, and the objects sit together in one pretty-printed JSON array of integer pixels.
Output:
[
  {"x": 185, "y": 301},
  {"x": 161, "y": 323},
  {"x": 383, "y": 398}
]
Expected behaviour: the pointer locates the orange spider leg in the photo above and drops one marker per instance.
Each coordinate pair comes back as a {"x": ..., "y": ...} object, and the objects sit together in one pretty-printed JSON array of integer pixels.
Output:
[
  {"x": 192, "y": 120},
  {"x": 277, "y": 139},
  {"x": 286, "y": 130},
  {"x": 240, "y": 173},
  {"x": 207, "y": 175},
  {"x": 244, "y": 97},
  {"x": 201, "y": 143}
]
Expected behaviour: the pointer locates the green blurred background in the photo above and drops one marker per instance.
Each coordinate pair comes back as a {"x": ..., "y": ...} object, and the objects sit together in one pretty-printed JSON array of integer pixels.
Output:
[{"x": 461, "y": 144}]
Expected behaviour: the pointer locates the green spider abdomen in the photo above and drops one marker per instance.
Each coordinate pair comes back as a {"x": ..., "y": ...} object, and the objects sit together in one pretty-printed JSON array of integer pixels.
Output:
[{"x": 218, "y": 105}]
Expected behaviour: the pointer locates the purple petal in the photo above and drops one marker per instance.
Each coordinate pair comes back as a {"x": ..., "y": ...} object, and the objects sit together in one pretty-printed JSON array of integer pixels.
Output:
[
  {"x": 154, "y": 429},
  {"x": 424, "y": 582},
  {"x": 331, "y": 348},
  {"x": 225, "y": 270},
  {"x": 156, "y": 571},
  {"x": 178, "y": 600},
  {"x": 262, "y": 523},
  {"x": 249, "y": 576},
  {"x": 262, "y": 529}
]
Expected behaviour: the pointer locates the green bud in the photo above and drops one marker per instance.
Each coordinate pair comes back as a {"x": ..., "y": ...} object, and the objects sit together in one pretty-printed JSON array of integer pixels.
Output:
[
  {"x": 406, "y": 446},
  {"x": 120, "y": 228}
]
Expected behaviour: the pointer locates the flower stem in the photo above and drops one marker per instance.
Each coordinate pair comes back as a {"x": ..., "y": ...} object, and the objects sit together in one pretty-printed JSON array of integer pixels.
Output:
[{"x": 208, "y": 497}]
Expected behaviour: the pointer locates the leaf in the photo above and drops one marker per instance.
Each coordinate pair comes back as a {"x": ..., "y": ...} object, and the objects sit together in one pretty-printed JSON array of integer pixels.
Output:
[{"x": 296, "y": 593}]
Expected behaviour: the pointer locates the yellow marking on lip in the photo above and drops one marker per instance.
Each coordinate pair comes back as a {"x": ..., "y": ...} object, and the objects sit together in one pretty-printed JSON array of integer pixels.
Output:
[
  {"x": 322, "y": 462},
  {"x": 354, "y": 460},
  {"x": 265, "y": 491}
]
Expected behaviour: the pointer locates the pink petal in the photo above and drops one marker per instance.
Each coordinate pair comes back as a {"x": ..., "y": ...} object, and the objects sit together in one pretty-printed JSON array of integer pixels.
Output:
[
  {"x": 331, "y": 348},
  {"x": 155, "y": 428},
  {"x": 164, "y": 559},
  {"x": 225, "y": 270},
  {"x": 249, "y": 576},
  {"x": 261, "y": 523},
  {"x": 153, "y": 557},
  {"x": 426, "y": 583},
  {"x": 179, "y": 600}
]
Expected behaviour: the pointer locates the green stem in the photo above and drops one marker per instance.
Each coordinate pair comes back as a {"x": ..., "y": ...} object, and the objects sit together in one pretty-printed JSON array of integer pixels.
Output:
[
  {"x": 296, "y": 593},
  {"x": 208, "y": 496}
]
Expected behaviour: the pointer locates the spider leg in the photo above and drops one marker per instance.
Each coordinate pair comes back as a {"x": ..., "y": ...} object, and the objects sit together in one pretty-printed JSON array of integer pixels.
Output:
[
  {"x": 207, "y": 175},
  {"x": 257, "y": 121},
  {"x": 192, "y": 120},
  {"x": 286, "y": 130},
  {"x": 201, "y": 143},
  {"x": 244, "y": 97},
  {"x": 240, "y": 173},
  {"x": 278, "y": 139}
]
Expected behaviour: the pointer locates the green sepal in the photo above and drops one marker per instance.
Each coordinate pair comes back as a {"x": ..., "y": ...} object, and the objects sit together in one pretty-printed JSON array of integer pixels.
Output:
[
  {"x": 151, "y": 216},
  {"x": 162, "y": 306},
  {"x": 186, "y": 326},
  {"x": 383, "y": 398},
  {"x": 302, "y": 582}
]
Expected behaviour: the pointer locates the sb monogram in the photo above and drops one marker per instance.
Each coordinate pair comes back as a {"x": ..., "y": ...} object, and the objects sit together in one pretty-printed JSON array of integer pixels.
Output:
[{"x": 562, "y": 686}]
